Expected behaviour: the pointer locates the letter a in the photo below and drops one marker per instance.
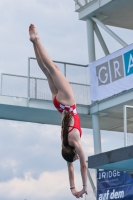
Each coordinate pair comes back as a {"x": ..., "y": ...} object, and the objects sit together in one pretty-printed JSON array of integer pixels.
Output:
[
  {"x": 100, "y": 197},
  {"x": 130, "y": 63}
]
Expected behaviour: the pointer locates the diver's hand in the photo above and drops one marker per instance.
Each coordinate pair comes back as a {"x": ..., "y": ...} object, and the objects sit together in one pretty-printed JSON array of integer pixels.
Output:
[
  {"x": 80, "y": 194},
  {"x": 74, "y": 192}
]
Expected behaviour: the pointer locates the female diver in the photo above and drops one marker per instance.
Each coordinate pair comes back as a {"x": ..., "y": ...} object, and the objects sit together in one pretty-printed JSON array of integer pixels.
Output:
[{"x": 63, "y": 100}]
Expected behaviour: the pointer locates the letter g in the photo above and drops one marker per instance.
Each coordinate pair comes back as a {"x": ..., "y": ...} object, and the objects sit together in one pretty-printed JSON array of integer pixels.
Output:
[{"x": 106, "y": 75}]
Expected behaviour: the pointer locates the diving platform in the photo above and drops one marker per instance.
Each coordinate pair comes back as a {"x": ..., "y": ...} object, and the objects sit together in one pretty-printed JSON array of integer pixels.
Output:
[
  {"x": 37, "y": 111},
  {"x": 110, "y": 111},
  {"x": 114, "y": 13},
  {"x": 119, "y": 159},
  {"x": 28, "y": 99}
]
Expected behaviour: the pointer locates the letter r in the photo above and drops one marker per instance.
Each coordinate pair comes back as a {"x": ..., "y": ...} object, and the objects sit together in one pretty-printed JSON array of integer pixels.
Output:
[{"x": 116, "y": 68}]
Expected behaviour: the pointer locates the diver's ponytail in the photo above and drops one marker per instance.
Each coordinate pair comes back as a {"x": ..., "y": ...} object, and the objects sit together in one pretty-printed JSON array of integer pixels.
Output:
[
  {"x": 67, "y": 150},
  {"x": 65, "y": 127}
]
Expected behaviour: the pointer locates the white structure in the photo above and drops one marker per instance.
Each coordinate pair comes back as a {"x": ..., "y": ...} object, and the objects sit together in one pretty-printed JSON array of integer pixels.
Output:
[
  {"x": 115, "y": 13},
  {"x": 109, "y": 110}
]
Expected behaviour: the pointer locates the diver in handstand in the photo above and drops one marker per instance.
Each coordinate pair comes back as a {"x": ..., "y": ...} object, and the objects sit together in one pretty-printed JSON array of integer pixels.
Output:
[{"x": 64, "y": 101}]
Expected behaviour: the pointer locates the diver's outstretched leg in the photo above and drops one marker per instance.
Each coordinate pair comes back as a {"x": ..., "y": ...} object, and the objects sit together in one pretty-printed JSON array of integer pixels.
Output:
[
  {"x": 65, "y": 94},
  {"x": 52, "y": 86}
]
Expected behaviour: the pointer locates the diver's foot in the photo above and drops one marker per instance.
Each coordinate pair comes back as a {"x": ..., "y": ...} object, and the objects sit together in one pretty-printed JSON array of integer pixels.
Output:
[{"x": 33, "y": 33}]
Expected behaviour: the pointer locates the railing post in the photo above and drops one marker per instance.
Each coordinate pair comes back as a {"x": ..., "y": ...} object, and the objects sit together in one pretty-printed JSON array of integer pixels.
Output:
[
  {"x": 28, "y": 83},
  {"x": 125, "y": 125},
  {"x": 65, "y": 69},
  {"x": 79, "y": 3},
  {"x": 35, "y": 88},
  {"x": 1, "y": 82}
]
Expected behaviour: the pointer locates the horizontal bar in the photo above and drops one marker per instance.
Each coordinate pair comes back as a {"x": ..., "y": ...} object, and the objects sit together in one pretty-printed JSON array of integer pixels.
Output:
[
  {"x": 65, "y": 63},
  {"x": 128, "y": 106},
  {"x": 32, "y": 58},
  {"x": 4, "y": 74},
  {"x": 42, "y": 79},
  {"x": 7, "y": 95},
  {"x": 23, "y": 76},
  {"x": 79, "y": 84},
  {"x": 69, "y": 82},
  {"x": 71, "y": 64}
]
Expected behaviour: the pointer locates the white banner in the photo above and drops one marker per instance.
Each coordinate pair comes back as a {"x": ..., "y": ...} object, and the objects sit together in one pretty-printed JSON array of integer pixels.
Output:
[{"x": 112, "y": 74}]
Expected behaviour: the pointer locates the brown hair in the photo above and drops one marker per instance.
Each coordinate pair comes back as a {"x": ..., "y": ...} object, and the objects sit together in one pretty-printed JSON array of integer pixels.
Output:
[{"x": 67, "y": 150}]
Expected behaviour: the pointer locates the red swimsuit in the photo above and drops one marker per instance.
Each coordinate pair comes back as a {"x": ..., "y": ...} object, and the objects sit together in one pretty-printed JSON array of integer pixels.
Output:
[{"x": 72, "y": 109}]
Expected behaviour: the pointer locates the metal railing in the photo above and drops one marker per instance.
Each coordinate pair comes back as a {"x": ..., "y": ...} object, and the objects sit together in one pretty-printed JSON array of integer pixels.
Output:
[
  {"x": 35, "y": 85},
  {"x": 77, "y": 75},
  {"x": 14, "y": 85},
  {"x": 82, "y": 3}
]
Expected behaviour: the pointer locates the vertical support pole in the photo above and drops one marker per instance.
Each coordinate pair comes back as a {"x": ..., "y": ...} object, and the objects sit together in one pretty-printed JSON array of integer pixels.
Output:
[
  {"x": 28, "y": 83},
  {"x": 96, "y": 134},
  {"x": 125, "y": 125},
  {"x": 92, "y": 57},
  {"x": 65, "y": 69},
  {"x": 91, "y": 42}
]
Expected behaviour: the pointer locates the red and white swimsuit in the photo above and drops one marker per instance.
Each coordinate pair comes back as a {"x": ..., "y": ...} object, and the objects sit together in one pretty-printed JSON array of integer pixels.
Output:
[{"x": 72, "y": 110}]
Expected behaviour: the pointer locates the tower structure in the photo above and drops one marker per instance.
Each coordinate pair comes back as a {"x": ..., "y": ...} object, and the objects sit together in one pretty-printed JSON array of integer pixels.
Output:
[{"x": 102, "y": 13}]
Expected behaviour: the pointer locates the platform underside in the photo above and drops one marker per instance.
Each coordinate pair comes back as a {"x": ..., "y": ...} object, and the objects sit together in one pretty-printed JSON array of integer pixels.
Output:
[
  {"x": 117, "y": 13},
  {"x": 118, "y": 159},
  {"x": 38, "y": 111}
]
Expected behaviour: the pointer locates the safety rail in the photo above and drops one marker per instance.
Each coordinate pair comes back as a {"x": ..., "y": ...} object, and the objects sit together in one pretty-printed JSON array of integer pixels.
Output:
[
  {"x": 81, "y": 3},
  {"x": 14, "y": 85},
  {"x": 35, "y": 85}
]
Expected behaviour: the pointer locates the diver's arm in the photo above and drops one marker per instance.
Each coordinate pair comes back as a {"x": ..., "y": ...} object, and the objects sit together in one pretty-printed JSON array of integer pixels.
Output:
[
  {"x": 83, "y": 167},
  {"x": 71, "y": 174},
  {"x": 71, "y": 178}
]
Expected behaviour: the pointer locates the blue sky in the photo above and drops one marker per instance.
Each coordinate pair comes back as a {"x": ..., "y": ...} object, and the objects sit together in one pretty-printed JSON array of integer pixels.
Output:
[{"x": 30, "y": 162}]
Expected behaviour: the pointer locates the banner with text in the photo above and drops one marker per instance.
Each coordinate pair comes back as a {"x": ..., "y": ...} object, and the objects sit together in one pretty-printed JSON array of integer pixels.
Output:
[
  {"x": 112, "y": 74},
  {"x": 113, "y": 184}
]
